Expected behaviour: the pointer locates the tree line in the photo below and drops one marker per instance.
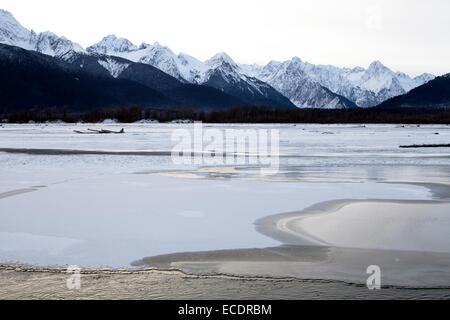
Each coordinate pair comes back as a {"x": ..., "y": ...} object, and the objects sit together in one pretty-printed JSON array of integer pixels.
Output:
[{"x": 235, "y": 115}]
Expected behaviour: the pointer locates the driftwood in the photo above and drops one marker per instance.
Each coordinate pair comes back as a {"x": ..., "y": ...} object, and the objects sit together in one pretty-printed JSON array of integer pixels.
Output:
[
  {"x": 427, "y": 146},
  {"x": 102, "y": 131}
]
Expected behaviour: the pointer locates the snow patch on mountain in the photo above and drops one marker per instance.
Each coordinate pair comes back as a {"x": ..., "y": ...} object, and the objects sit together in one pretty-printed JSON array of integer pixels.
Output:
[{"x": 115, "y": 68}]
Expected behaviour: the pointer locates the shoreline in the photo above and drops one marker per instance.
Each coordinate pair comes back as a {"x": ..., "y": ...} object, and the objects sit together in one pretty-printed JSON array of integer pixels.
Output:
[
  {"x": 167, "y": 270},
  {"x": 317, "y": 272},
  {"x": 280, "y": 226},
  {"x": 51, "y": 284}
]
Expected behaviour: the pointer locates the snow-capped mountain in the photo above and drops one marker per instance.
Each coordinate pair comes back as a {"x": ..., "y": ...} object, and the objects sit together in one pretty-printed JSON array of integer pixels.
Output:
[
  {"x": 14, "y": 34},
  {"x": 111, "y": 45},
  {"x": 53, "y": 45},
  {"x": 219, "y": 72},
  {"x": 364, "y": 87},
  {"x": 224, "y": 74},
  {"x": 306, "y": 85},
  {"x": 155, "y": 55},
  {"x": 291, "y": 79},
  {"x": 81, "y": 83}
]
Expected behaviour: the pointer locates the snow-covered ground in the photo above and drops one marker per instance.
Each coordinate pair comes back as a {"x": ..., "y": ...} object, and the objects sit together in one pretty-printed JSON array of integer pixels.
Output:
[
  {"x": 110, "y": 210},
  {"x": 299, "y": 139}
]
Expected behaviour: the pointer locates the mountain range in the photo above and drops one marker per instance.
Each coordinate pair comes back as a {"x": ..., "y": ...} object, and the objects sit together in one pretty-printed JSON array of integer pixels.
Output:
[
  {"x": 219, "y": 72},
  {"x": 305, "y": 84},
  {"x": 218, "y": 82},
  {"x": 177, "y": 92}
]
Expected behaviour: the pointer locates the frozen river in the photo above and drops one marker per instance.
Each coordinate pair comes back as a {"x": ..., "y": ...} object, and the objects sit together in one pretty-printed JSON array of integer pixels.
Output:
[{"x": 112, "y": 209}]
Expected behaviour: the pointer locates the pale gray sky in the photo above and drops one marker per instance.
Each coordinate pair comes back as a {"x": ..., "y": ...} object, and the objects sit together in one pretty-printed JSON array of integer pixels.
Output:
[{"x": 406, "y": 35}]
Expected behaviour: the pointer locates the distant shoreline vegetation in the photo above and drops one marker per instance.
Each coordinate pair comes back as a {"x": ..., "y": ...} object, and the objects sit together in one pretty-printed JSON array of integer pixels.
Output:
[{"x": 246, "y": 114}]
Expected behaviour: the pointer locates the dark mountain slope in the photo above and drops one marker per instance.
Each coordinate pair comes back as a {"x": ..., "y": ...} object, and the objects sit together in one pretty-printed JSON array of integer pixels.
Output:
[
  {"x": 252, "y": 91},
  {"x": 29, "y": 79},
  {"x": 432, "y": 95},
  {"x": 84, "y": 82},
  {"x": 197, "y": 96},
  {"x": 186, "y": 94}
]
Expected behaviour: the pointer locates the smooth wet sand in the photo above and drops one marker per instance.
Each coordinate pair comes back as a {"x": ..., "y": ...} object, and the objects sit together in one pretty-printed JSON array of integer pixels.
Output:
[{"x": 24, "y": 282}]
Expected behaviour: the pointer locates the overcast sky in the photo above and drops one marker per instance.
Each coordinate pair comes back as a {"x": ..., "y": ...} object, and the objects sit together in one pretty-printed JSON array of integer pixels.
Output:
[{"x": 406, "y": 35}]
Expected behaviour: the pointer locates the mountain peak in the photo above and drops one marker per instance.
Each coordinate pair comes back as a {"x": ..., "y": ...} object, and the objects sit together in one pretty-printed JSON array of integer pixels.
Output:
[
  {"x": 7, "y": 21},
  {"x": 110, "y": 37},
  {"x": 428, "y": 76},
  {"x": 274, "y": 63},
  {"x": 295, "y": 63},
  {"x": 13, "y": 33},
  {"x": 376, "y": 63},
  {"x": 112, "y": 44},
  {"x": 6, "y": 15},
  {"x": 222, "y": 56},
  {"x": 220, "y": 59},
  {"x": 51, "y": 44},
  {"x": 161, "y": 48},
  {"x": 377, "y": 66},
  {"x": 50, "y": 35}
]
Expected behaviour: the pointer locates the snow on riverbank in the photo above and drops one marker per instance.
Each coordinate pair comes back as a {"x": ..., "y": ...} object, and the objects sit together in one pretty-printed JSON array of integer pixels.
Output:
[{"x": 389, "y": 225}]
